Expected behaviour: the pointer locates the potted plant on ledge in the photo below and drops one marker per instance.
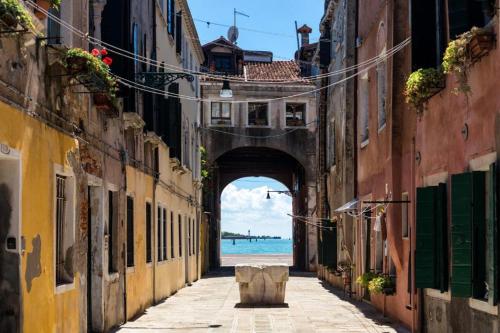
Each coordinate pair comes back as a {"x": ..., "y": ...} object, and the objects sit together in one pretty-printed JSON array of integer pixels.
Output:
[
  {"x": 382, "y": 284},
  {"x": 92, "y": 70},
  {"x": 422, "y": 85},
  {"x": 462, "y": 52},
  {"x": 12, "y": 13},
  {"x": 364, "y": 279}
]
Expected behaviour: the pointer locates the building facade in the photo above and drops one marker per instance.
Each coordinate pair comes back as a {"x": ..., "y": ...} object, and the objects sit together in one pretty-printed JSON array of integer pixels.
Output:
[
  {"x": 265, "y": 133},
  {"x": 424, "y": 195},
  {"x": 101, "y": 200}
]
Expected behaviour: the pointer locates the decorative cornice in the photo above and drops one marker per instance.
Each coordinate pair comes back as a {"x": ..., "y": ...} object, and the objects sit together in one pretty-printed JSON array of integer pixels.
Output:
[{"x": 133, "y": 120}]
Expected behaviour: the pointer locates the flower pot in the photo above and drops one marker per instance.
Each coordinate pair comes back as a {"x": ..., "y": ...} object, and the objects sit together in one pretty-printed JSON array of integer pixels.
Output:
[
  {"x": 388, "y": 291},
  {"x": 45, "y": 4},
  {"x": 9, "y": 20},
  {"x": 104, "y": 103},
  {"x": 480, "y": 45}
]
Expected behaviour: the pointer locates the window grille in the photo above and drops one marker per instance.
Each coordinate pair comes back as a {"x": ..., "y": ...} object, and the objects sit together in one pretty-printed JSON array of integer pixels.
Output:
[{"x": 61, "y": 276}]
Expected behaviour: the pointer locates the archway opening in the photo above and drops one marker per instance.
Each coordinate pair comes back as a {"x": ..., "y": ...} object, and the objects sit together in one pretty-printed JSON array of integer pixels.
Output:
[{"x": 256, "y": 222}]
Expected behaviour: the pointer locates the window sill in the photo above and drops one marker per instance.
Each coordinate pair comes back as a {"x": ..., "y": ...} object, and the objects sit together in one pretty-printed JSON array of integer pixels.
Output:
[
  {"x": 130, "y": 270},
  {"x": 381, "y": 128},
  {"x": 112, "y": 277},
  {"x": 63, "y": 288},
  {"x": 258, "y": 126},
  {"x": 161, "y": 263},
  {"x": 221, "y": 125},
  {"x": 365, "y": 143},
  {"x": 438, "y": 294},
  {"x": 149, "y": 264},
  {"x": 483, "y": 306},
  {"x": 296, "y": 127}
]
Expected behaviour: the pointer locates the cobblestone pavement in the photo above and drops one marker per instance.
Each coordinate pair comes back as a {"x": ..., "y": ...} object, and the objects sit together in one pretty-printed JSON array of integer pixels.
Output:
[{"x": 211, "y": 305}]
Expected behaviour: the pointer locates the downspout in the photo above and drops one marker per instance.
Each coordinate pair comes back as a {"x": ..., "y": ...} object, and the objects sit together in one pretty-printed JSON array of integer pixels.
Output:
[{"x": 355, "y": 129}]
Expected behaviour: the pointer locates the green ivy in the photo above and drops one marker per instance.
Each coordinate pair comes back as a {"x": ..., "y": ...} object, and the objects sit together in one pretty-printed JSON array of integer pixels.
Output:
[
  {"x": 95, "y": 65},
  {"x": 205, "y": 173},
  {"x": 55, "y": 3},
  {"x": 421, "y": 85},
  {"x": 16, "y": 9}
]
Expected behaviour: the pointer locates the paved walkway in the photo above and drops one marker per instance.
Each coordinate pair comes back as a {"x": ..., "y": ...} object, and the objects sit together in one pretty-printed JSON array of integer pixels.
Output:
[{"x": 210, "y": 305}]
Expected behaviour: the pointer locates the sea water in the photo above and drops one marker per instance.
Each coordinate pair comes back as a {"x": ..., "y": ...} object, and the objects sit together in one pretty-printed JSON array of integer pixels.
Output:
[{"x": 261, "y": 246}]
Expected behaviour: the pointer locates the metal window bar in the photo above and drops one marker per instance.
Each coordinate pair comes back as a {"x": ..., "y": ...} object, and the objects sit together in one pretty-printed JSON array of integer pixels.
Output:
[{"x": 60, "y": 224}]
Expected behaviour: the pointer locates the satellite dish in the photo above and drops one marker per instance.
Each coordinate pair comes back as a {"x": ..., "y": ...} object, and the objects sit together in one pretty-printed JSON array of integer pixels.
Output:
[{"x": 233, "y": 34}]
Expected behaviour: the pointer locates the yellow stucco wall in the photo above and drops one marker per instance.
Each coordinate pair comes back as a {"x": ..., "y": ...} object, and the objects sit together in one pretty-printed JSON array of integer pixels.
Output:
[
  {"x": 139, "y": 277},
  {"x": 41, "y": 147},
  {"x": 166, "y": 276}
]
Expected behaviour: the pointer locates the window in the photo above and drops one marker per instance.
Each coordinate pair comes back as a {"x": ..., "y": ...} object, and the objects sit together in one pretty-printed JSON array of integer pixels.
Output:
[
  {"x": 189, "y": 235},
  {"x": 404, "y": 215},
  {"x": 379, "y": 241},
  {"x": 180, "y": 234},
  {"x": 164, "y": 238},
  {"x": 295, "y": 114},
  {"x": 221, "y": 113},
  {"x": 223, "y": 64},
  {"x": 332, "y": 158},
  {"x": 365, "y": 109},
  {"x": 428, "y": 33},
  {"x": 149, "y": 212},
  {"x": 130, "y": 144},
  {"x": 197, "y": 236},
  {"x": 159, "y": 245},
  {"x": 112, "y": 232},
  {"x": 465, "y": 14},
  {"x": 474, "y": 235},
  {"x": 53, "y": 28},
  {"x": 178, "y": 33},
  {"x": 257, "y": 114},
  {"x": 382, "y": 90},
  {"x": 64, "y": 229},
  {"x": 431, "y": 248},
  {"x": 130, "y": 231},
  {"x": 172, "y": 254},
  {"x": 171, "y": 17}
]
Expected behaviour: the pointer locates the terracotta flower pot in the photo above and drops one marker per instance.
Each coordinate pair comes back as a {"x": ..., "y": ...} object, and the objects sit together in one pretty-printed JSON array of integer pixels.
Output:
[
  {"x": 480, "y": 45},
  {"x": 104, "y": 103},
  {"x": 45, "y": 4}
]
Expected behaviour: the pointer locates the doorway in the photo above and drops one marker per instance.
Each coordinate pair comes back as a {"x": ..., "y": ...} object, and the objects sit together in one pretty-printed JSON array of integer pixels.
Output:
[{"x": 10, "y": 240}]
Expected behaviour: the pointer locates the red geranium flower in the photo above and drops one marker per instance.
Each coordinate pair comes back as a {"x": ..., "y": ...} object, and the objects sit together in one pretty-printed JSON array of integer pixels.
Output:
[
  {"x": 95, "y": 52},
  {"x": 108, "y": 61},
  {"x": 104, "y": 52}
]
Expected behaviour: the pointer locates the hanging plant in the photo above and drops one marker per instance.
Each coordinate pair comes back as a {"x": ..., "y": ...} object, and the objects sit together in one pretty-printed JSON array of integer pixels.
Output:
[
  {"x": 364, "y": 279},
  {"x": 12, "y": 13},
  {"x": 422, "y": 85},
  {"x": 92, "y": 68},
  {"x": 462, "y": 52}
]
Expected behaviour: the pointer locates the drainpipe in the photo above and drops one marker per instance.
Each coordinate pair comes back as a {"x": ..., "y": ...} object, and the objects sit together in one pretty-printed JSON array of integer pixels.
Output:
[{"x": 355, "y": 140}]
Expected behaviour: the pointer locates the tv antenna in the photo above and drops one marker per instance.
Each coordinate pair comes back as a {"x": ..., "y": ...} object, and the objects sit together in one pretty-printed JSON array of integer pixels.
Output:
[{"x": 233, "y": 32}]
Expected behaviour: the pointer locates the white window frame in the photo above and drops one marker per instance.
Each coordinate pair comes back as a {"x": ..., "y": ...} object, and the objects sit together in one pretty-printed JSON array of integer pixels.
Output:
[
  {"x": 69, "y": 217},
  {"x": 114, "y": 276},
  {"x": 150, "y": 201},
  {"x": 231, "y": 116}
]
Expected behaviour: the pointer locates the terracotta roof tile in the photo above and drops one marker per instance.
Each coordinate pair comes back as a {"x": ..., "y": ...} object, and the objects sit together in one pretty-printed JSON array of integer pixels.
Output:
[{"x": 273, "y": 71}]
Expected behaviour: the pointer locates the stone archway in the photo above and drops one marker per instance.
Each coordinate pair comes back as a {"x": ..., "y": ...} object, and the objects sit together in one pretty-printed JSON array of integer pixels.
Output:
[{"x": 266, "y": 162}]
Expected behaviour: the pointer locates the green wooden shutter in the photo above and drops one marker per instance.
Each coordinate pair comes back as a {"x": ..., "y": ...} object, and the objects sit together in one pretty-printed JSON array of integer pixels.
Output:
[
  {"x": 461, "y": 235},
  {"x": 479, "y": 232},
  {"x": 441, "y": 227},
  {"x": 425, "y": 251},
  {"x": 491, "y": 225}
]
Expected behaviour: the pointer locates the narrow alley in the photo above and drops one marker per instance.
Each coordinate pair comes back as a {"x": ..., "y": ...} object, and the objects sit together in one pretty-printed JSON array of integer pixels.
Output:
[{"x": 212, "y": 305}]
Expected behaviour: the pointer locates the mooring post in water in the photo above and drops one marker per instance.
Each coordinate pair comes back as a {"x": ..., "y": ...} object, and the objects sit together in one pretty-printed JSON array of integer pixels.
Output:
[{"x": 234, "y": 241}]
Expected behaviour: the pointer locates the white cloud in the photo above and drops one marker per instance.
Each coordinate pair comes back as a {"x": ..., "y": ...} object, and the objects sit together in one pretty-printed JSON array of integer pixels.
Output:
[{"x": 248, "y": 209}]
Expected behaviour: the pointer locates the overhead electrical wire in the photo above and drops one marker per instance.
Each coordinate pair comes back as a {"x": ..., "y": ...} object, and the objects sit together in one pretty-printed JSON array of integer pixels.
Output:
[
  {"x": 277, "y": 34},
  {"x": 132, "y": 56}
]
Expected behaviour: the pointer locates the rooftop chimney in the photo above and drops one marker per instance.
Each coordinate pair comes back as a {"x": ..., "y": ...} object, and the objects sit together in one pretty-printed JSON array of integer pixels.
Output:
[{"x": 304, "y": 32}]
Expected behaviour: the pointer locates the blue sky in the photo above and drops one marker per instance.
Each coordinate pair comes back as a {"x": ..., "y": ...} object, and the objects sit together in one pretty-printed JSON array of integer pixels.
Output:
[
  {"x": 276, "y": 16},
  {"x": 245, "y": 207}
]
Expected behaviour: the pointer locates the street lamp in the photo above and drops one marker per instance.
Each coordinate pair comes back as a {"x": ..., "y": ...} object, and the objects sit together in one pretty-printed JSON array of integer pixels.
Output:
[
  {"x": 289, "y": 193},
  {"x": 226, "y": 91}
]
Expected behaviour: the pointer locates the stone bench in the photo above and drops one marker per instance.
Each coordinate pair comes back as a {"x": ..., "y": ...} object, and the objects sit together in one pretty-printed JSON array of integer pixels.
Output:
[{"x": 262, "y": 284}]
